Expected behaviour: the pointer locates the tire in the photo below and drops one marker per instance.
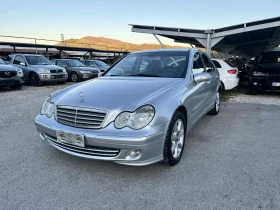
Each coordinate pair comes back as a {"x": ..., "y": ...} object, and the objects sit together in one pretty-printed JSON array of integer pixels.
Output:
[
  {"x": 222, "y": 88},
  {"x": 17, "y": 87},
  {"x": 216, "y": 109},
  {"x": 251, "y": 90},
  {"x": 74, "y": 77},
  {"x": 175, "y": 139},
  {"x": 34, "y": 80}
]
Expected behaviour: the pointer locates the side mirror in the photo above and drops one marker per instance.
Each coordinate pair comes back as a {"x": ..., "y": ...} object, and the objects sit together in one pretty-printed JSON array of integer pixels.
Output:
[
  {"x": 201, "y": 77},
  {"x": 22, "y": 64}
]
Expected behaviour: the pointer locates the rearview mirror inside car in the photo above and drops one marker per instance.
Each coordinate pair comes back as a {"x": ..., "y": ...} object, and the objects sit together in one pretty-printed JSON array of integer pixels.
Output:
[{"x": 201, "y": 77}]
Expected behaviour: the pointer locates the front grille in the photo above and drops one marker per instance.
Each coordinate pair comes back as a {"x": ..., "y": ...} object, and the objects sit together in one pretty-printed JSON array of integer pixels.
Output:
[
  {"x": 79, "y": 117},
  {"x": 87, "y": 150},
  {"x": 275, "y": 76},
  {"x": 56, "y": 71},
  {"x": 8, "y": 74},
  {"x": 58, "y": 76}
]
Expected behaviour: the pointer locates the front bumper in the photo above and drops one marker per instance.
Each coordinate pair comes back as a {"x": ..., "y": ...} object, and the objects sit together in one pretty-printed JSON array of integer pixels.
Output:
[
  {"x": 263, "y": 83},
  {"x": 108, "y": 143},
  {"x": 83, "y": 76},
  {"x": 55, "y": 77},
  {"x": 14, "y": 81}
]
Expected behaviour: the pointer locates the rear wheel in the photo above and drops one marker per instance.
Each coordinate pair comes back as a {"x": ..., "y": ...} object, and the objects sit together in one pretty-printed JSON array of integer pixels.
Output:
[
  {"x": 35, "y": 80},
  {"x": 74, "y": 77},
  {"x": 175, "y": 139},
  {"x": 216, "y": 107}
]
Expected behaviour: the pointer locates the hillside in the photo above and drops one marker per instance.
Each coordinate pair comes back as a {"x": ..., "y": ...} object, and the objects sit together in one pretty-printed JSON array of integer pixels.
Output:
[{"x": 112, "y": 44}]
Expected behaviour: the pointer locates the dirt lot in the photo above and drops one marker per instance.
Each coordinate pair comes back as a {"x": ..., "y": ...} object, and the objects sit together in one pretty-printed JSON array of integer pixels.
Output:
[{"x": 231, "y": 161}]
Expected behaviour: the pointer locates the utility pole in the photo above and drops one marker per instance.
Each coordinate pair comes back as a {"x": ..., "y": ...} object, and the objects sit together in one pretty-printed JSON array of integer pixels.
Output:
[{"x": 62, "y": 40}]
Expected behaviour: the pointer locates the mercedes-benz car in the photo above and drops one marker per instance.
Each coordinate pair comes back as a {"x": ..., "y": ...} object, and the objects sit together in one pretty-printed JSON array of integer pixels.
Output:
[
  {"x": 149, "y": 102},
  {"x": 10, "y": 76}
]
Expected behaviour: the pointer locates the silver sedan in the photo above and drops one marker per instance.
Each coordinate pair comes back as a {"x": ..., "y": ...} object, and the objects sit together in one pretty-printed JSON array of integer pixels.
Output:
[{"x": 138, "y": 113}]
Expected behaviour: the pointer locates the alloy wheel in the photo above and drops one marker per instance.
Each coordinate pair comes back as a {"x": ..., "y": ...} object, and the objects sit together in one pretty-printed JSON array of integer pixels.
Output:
[{"x": 177, "y": 138}]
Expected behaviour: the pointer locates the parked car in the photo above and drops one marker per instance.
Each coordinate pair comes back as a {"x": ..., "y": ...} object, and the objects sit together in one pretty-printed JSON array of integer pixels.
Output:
[
  {"x": 228, "y": 74},
  {"x": 10, "y": 76},
  {"x": 76, "y": 70},
  {"x": 37, "y": 69},
  {"x": 265, "y": 73},
  {"x": 139, "y": 117},
  {"x": 242, "y": 68},
  {"x": 96, "y": 64}
]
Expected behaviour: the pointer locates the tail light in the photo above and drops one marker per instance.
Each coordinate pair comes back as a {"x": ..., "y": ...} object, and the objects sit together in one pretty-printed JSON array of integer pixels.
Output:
[{"x": 232, "y": 71}]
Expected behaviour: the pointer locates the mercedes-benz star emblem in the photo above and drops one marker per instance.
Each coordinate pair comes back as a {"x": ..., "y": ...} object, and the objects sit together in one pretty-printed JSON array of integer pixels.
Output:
[
  {"x": 82, "y": 98},
  {"x": 7, "y": 73}
]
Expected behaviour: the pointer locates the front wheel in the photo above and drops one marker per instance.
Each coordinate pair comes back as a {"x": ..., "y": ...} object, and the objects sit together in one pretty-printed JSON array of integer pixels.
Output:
[
  {"x": 35, "y": 80},
  {"x": 175, "y": 139},
  {"x": 216, "y": 107},
  {"x": 74, "y": 77}
]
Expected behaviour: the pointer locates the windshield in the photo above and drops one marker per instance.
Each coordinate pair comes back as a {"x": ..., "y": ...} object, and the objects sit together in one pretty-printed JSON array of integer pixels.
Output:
[
  {"x": 100, "y": 63},
  {"x": 2, "y": 61},
  {"x": 271, "y": 57},
  {"x": 74, "y": 63},
  {"x": 171, "y": 64},
  {"x": 37, "y": 60}
]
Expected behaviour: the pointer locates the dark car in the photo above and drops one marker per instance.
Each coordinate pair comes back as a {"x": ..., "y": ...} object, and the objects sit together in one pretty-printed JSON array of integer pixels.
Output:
[
  {"x": 265, "y": 72},
  {"x": 76, "y": 70},
  {"x": 10, "y": 76},
  {"x": 241, "y": 67},
  {"x": 96, "y": 64}
]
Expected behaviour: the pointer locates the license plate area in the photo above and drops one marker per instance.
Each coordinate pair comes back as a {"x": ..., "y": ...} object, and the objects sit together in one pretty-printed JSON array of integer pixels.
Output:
[
  {"x": 276, "y": 84},
  {"x": 70, "y": 138}
]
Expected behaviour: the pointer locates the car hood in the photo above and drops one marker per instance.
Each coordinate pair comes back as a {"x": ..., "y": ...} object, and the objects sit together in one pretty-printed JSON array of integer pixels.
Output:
[
  {"x": 115, "y": 93},
  {"x": 84, "y": 68},
  {"x": 50, "y": 67},
  {"x": 7, "y": 67}
]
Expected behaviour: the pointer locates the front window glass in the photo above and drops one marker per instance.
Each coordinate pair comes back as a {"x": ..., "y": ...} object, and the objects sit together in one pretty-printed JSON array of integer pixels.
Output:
[
  {"x": 74, "y": 63},
  {"x": 198, "y": 66},
  {"x": 100, "y": 63},
  {"x": 37, "y": 60},
  {"x": 171, "y": 64},
  {"x": 271, "y": 57},
  {"x": 2, "y": 61}
]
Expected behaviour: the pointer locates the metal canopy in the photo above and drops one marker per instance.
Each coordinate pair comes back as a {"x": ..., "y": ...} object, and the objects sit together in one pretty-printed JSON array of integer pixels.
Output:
[{"x": 247, "y": 39}]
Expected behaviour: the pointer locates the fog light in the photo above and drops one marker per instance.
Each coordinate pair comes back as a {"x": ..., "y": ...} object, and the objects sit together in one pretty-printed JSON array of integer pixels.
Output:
[
  {"x": 133, "y": 154},
  {"x": 255, "y": 83}
]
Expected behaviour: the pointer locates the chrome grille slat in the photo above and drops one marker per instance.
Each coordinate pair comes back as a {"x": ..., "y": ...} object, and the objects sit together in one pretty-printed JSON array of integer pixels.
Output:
[
  {"x": 80, "y": 117},
  {"x": 108, "y": 152}
]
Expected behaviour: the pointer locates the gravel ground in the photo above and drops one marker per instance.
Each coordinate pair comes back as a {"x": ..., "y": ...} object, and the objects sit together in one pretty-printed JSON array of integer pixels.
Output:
[
  {"x": 230, "y": 161},
  {"x": 240, "y": 95}
]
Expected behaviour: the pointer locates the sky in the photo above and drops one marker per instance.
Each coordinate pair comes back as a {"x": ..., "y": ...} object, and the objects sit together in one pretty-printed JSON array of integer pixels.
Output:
[{"x": 48, "y": 19}]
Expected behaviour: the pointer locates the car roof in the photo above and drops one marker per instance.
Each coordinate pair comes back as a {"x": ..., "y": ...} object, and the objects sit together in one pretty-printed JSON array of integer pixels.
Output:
[{"x": 166, "y": 50}]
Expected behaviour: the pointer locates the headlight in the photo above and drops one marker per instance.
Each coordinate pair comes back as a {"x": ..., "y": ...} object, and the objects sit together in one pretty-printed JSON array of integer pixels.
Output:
[
  {"x": 47, "y": 107},
  {"x": 85, "y": 72},
  {"x": 257, "y": 73},
  {"x": 43, "y": 70},
  {"x": 138, "y": 119},
  {"x": 64, "y": 70},
  {"x": 19, "y": 72}
]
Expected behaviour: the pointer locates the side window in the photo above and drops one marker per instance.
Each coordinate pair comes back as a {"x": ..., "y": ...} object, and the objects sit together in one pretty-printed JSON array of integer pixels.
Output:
[
  {"x": 198, "y": 66},
  {"x": 60, "y": 63},
  {"x": 217, "y": 64},
  {"x": 53, "y": 62},
  {"x": 208, "y": 65},
  {"x": 19, "y": 59}
]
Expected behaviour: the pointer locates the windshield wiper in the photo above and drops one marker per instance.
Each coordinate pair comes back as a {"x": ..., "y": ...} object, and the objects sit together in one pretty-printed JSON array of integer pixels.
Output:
[{"x": 144, "y": 75}]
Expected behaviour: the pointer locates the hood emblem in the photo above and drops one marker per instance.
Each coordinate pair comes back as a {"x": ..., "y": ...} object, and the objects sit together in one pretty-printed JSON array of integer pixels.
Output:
[
  {"x": 7, "y": 73},
  {"x": 81, "y": 96}
]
